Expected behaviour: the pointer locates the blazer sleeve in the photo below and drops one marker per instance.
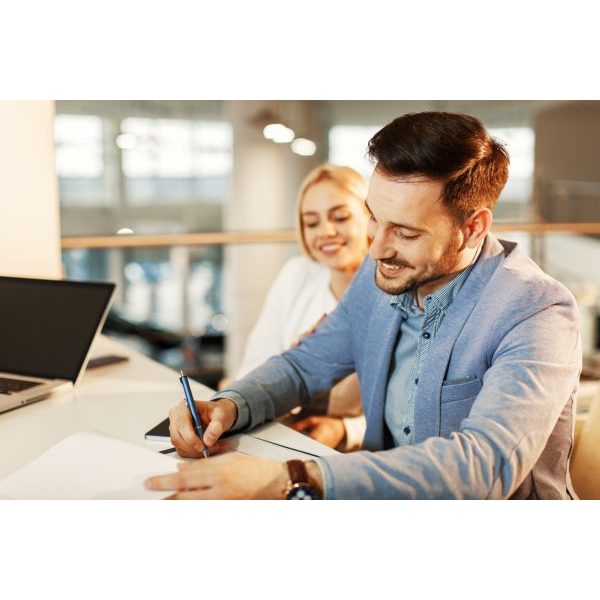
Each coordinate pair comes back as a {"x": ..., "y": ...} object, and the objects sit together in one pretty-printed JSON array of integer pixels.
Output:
[
  {"x": 314, "y": 366},
  {"x": 534, "y": 372}
]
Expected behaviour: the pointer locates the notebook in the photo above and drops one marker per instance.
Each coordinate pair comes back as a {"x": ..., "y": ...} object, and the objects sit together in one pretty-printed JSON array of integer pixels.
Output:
[
  {"x": 272, "y": 434},
  {"x": 47, "y": 327}
]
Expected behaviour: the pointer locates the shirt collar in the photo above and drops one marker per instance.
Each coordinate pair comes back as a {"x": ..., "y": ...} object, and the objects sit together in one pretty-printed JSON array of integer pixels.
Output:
[{"x": 441, "y": 299}]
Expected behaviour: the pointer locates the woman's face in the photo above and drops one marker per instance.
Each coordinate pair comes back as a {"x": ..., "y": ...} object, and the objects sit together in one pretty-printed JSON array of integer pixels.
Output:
[{"x": 334, "y": 224}]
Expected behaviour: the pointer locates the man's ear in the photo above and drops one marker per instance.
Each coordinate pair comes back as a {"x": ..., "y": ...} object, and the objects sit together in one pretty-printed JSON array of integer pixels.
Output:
[{"x": 477, "y": 227}]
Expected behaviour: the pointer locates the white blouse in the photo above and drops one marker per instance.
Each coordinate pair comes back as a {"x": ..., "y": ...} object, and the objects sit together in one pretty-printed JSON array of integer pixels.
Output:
[{"x": 298, "y": 298}]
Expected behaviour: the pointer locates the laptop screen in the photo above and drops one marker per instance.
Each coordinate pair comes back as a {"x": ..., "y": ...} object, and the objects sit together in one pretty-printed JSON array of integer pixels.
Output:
[{"x": 47, "y": 326}]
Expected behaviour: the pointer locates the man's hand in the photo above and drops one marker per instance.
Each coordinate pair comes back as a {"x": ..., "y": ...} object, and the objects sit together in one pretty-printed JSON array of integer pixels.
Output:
[
  {"x": 327, "y": 430},
  {"x": 228, "y": 476},
  {"x": 217, "y": 417}
]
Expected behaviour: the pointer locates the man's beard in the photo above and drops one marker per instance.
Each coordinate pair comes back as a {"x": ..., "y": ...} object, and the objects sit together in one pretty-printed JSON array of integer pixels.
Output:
[{"x": 444, "y": 267}]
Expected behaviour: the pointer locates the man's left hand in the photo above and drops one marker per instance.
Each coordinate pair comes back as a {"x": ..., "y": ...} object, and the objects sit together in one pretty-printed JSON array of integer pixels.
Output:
[{"x": 228, "y": 476}]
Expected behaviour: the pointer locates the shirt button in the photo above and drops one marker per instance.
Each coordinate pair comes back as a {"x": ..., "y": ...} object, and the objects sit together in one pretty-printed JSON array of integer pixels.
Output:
[
  {"x": 406, "y": 430},
  {"x": 427, "y": 335}
]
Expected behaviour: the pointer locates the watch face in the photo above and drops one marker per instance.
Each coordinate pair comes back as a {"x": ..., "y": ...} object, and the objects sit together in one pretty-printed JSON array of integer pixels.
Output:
[{"x": 302, "y": 491}]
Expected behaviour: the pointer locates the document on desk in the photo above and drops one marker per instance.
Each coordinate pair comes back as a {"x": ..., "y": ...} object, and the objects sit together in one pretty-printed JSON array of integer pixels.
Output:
[
  {"x": 89, "y": 465},
  {"x": 287, "y": 437},
  {"x": 247, "y": 444}
]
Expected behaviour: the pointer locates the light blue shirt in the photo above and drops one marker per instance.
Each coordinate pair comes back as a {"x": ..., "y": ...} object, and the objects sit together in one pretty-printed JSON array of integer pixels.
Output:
[{"x": 417, "y": 335}]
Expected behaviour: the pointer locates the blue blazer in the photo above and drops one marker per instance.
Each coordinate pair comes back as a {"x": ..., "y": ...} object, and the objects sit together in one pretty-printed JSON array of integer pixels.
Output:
[{"x": 495, "y": 403}]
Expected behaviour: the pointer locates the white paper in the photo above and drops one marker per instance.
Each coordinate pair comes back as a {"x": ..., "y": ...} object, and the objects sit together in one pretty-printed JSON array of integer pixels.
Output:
[
  {"x": 286, "y": 436},
  {"x": 89, "y": 465},
  {"x": 247, "y": 444}
]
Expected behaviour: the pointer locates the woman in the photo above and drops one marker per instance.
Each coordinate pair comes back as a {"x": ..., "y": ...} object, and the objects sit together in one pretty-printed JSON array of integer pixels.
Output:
[{"x": 332, "y": 223}]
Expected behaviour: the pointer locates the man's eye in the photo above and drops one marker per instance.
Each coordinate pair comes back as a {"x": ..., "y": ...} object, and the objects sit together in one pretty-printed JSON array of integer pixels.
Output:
[{"x": 406, "y": 237}]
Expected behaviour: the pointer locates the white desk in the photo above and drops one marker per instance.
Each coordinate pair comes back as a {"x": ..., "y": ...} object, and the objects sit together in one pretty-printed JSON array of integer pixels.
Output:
[{"x": 123, "y": 400}]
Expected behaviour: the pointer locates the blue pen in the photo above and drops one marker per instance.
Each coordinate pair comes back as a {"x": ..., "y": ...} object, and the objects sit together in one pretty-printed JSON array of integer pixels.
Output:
[{"x": 189, "y": 398}]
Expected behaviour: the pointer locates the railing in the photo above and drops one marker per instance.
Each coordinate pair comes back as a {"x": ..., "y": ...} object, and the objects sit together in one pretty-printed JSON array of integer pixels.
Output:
[
  {"x": 181, "y": 248},
  {"x": 180, "y": 239},
  {"x": 244, "y": 237}
]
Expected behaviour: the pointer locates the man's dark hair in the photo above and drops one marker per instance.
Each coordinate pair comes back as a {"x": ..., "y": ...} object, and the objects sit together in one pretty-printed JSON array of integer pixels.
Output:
[{"x": 448, "y": 147}]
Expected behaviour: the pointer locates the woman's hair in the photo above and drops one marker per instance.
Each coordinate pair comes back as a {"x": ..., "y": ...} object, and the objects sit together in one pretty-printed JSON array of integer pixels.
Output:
[
  {"x": 448, "y": 147},
  {"x": 345, "y": 178}
]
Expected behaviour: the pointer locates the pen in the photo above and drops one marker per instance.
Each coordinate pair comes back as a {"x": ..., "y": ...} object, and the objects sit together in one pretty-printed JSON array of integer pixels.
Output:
[{"x": 189, "y": 398}]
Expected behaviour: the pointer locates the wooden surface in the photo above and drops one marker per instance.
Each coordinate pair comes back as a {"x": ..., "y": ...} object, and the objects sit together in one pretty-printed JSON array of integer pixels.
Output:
[{"x": 246, "y": 237}]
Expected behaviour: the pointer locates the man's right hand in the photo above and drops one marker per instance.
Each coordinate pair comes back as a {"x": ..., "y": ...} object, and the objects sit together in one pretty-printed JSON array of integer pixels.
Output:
[{"x": 217, "y": 417}]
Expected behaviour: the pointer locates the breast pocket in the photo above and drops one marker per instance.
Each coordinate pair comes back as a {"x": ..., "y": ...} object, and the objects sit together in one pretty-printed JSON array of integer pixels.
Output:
[{"x": 457, "y": 398}]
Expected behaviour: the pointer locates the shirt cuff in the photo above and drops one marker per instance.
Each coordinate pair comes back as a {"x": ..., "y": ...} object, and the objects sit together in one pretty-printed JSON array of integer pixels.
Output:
[
  {"x": 355, "y": 432},
  {"x": 243, "y": 412},
  {"x": 328, "y": 485}
]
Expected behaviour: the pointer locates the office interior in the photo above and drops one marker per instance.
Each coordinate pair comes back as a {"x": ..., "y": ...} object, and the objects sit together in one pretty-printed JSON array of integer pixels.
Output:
[{"x": 189, "y": 206}]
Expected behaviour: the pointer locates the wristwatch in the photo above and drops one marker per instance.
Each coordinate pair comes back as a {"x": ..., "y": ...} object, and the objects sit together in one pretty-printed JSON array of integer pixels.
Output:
[{"x": 298, "y": 486}]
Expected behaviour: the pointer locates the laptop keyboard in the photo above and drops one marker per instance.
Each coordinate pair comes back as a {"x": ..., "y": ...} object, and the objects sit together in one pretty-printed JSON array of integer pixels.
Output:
[{"x": 11, "y": 386}]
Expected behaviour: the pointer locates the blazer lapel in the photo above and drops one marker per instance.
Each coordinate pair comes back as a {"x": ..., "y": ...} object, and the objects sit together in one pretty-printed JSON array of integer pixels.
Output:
[
  {"x": 383, "y": 330},
  {"x": 427, "y": 400}
]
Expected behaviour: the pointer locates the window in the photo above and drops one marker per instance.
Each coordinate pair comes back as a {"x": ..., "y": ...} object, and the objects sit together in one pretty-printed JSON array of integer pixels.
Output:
[
  {"x": 176, "y": 289},
  {"x": 171, "y": 161},
  {"x": 348, "y": 146},
  {"x": 80, "y": 159},
  {"x": 514, "y": 203}
]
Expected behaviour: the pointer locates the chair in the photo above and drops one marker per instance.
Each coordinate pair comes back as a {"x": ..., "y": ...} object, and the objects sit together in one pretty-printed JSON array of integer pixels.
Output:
[{"x": 585, "y": 461}]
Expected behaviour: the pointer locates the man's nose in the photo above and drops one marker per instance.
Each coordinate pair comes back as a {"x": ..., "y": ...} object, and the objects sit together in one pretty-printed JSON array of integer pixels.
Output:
[{"x": 380, "y": 248}]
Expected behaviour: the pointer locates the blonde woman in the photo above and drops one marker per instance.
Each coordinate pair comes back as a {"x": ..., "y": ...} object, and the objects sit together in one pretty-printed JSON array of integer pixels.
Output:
[{"x": 332, "y": 225}]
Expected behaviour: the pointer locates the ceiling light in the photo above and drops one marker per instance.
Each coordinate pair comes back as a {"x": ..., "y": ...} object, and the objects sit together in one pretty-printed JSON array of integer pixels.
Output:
[
  {"x": 271, "y": 131},
  {"x": 304, "y": 147},
  {"x": 220, "y": 322},
  {"x": 279, "y": 133},
  {"x": 125, "y": 231},
  {"x": 285, "y": 136}
]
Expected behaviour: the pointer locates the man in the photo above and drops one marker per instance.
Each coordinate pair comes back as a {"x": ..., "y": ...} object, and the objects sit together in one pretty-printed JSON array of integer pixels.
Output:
[{"x": 468, "y": 355}]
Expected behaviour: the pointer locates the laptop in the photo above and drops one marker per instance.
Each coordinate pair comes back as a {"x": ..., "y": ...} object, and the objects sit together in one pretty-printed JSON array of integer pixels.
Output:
[{"x": 47, "y": 327}]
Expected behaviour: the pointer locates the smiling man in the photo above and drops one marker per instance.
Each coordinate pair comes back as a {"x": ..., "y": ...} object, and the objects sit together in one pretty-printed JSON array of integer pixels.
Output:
[
  {"x": 409, "y": 257},
  {"x": 468, "y": 355}
]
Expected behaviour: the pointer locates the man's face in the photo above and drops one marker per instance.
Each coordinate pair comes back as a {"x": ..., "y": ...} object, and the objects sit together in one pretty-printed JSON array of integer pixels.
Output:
[{"x": 416, "y": 242}]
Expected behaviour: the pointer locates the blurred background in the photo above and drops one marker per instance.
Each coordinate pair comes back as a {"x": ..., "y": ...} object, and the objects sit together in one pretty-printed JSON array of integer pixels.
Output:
[{"x": 189, "y": 205}]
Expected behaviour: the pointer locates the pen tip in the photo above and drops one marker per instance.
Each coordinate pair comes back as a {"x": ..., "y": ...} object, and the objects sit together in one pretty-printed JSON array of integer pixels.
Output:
[{"x": 182, "y": 373}]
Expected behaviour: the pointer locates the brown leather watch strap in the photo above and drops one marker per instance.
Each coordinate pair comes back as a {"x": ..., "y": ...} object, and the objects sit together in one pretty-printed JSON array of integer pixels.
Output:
[{"x": 297, "y": 471}]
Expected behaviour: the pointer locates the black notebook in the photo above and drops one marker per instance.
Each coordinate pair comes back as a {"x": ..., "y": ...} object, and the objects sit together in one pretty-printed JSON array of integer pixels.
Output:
[
  {"x": 159, "y": 433},
  {"x": 102, "y": 361}
]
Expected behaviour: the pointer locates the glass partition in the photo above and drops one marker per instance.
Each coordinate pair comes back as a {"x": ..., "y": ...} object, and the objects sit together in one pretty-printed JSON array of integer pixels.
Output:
[{"x": 167, "y": 169}]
